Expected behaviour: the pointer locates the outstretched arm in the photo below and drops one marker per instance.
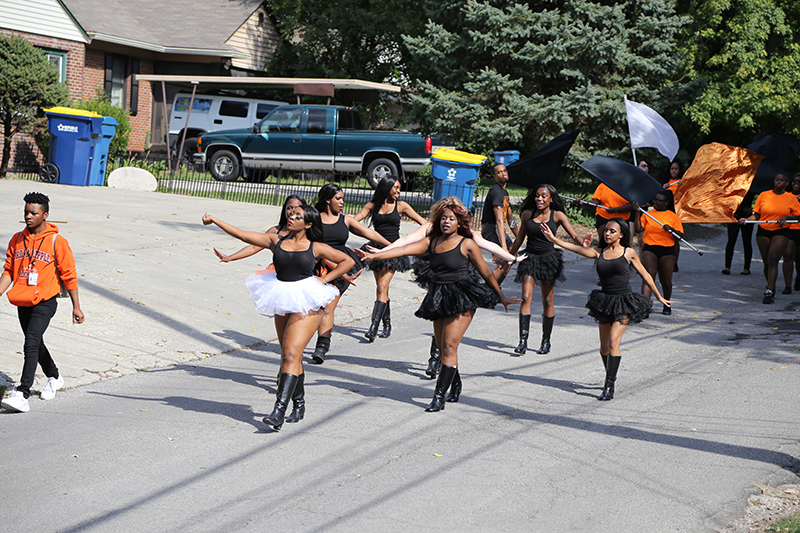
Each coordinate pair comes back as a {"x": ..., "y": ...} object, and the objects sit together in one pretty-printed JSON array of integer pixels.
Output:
[
  {"x": 580, "y": 250},
  {"x": 567, "y": 225},
  {"x": 364, "y": 213},
  {"x": 407, "y": 210},
  {"x": 633, "y": 259},
  {"x": 355, "y": 227},
  {"x": 415, "y": 236},
  {"x": 475, "y": 257},
  {"x": 247, "y": 251},
  {"x": 417, "y": 248},
  {"x": 492, "y": 248},
  {"x": 264, "y": 240}
]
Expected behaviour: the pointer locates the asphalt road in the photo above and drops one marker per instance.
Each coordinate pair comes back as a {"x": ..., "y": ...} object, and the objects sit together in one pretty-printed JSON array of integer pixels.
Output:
[{"x": 706, "y": 399}]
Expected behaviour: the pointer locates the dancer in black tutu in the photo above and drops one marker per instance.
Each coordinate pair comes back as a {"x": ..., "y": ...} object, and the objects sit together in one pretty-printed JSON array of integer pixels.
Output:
[
  {"x": 337, "y": 228},
  {"x": 384, "y": 210},
  {"x": 614, "y": 306},
  {"x": 453, "y": 296},
  {"x": 422, "y": 266},
  {"x": 294, "y": 295},
  {"x": 292, "y": 202},
  {"x": 544, "y": 264}
]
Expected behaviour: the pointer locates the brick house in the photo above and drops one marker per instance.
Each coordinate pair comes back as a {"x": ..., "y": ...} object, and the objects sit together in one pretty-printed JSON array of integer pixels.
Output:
[{"x": 104, "y": 44}]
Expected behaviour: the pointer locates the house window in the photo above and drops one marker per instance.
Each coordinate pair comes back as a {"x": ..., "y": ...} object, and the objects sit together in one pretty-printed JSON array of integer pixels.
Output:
[
  {"x": 59, "y": 59},
  {"x": 115, "y": 79}
]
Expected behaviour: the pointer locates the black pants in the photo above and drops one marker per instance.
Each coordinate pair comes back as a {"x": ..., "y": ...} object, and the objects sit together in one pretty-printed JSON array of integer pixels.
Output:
[
  {"x": 747, "y": 241},
  {"x": 34, "y": 321}
]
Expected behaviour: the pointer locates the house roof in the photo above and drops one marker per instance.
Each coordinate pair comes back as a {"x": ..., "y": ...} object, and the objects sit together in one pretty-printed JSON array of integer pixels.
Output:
[{"x": 194, "y": 27}]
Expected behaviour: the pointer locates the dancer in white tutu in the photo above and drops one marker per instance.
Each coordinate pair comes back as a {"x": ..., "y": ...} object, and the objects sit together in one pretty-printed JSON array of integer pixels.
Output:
[
  {"x": 293, "y": 294},
  {"x": 614, "y": 305},
  {"x": 292, "y": 202},
  {"x": 453, "y": 295}
]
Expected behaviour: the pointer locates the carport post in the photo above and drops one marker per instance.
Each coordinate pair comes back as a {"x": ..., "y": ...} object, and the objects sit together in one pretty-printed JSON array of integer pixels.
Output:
[
  {"x": 166, "y": 123},
  {"x": 188, "y": 116}
]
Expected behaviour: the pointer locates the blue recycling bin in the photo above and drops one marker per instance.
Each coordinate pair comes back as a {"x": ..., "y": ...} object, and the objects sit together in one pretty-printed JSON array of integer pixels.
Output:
[
  {"x": 73, "y": 136},
  {"x": 506, "y": 158},
  {"x": 455, "y": 174},
  {"x": 97, "y": 173}
]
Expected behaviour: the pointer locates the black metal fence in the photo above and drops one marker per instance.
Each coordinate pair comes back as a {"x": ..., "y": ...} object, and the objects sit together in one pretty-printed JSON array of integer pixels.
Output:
[{"x": 271, "y": 186}]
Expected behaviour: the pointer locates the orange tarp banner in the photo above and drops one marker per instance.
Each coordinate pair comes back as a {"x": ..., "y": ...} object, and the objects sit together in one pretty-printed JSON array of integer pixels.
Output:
[{"x": 714, "y": 185}]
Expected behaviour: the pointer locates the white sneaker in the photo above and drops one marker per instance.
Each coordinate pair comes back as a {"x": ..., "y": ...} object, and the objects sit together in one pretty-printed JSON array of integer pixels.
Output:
[
  {"x": 16, "y": 402},
  {"x": 49, "y": 390}
]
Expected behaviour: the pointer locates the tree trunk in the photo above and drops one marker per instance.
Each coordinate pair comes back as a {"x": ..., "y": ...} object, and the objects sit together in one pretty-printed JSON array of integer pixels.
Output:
[{"x": 6, "y": 148}]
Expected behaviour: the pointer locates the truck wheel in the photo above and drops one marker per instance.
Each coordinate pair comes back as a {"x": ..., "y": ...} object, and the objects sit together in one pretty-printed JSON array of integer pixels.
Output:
[
  {"x": 189, "y": 149},
  {"x": 49, "y": 173},
  {"x": 381, "y": 168},
  {"x": 224, "y": 166}
]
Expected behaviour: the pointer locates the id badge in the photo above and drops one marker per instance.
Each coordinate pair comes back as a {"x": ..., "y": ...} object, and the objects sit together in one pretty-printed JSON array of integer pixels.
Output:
[{"x": 33, "y": 278}]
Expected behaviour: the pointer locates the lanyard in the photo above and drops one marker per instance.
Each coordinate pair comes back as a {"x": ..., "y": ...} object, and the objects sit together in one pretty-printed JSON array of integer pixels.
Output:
[{"x": 29, "y": 253}]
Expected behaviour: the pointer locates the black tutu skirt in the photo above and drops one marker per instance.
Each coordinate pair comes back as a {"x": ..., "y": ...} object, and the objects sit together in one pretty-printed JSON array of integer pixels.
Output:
[
  {"x": 450, "y": 299},
  {"x": 423, "y": 275},
  {"x": 544, "y": 268},
  {"x": 340, "y": 283},
  {"x": 631, "y": 307},
  {"x": 398, "y": 264}
]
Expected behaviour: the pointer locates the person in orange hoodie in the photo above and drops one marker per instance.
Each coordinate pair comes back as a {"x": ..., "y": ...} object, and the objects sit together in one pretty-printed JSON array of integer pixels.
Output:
[{"x": 36, "y": 259}]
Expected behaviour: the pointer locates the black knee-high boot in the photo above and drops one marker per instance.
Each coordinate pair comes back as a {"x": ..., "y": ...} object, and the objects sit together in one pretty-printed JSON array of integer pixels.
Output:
[
  {"x": 442, "y": 384},
  {"x": 455, "y": 388},
  {"x": 605, "y": 361},
  {"x": 286, "y": 386},
  {"x": 387, "y": 323},
  {"x": 323, "y": 344},
  {"x": 524, "y": 331},
  {"x": 377, "y": 315},
  {"x": 547, "y": 329},
  {"x": 611, "y": 378},
  {"x": 435, "y": 360},
  {"x": 298, "y": 400}
]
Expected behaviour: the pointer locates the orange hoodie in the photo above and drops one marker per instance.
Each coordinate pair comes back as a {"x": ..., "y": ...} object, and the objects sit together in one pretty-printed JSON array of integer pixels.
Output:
[{"x": 24, "y": 249}]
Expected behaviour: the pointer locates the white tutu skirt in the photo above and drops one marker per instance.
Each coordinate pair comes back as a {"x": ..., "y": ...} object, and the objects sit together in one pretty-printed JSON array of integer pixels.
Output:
[{"x": 275, "y": 297}]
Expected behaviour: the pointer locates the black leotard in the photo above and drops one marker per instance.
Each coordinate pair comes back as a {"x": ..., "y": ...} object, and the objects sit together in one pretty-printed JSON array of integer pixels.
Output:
[
  {"x": 449, "y": 266},
  {"x": 387, "y": 225},
  {"x": 336, "y": 234},
  {"x": 615, "y": 274},
  {"x": 537, "y": 242},
  {"x": 293, "y": 266}
]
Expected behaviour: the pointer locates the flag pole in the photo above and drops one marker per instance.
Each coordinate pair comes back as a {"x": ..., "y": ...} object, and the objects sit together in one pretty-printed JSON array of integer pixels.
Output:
[
  {"x": 582, "y": 202},
  {"x": 625, "y": 99},
  {"x": 674, "y": 234}
]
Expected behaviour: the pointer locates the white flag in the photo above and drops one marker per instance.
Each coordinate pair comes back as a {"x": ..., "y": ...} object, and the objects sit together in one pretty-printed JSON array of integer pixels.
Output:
[{"x": 649, "y": 130}]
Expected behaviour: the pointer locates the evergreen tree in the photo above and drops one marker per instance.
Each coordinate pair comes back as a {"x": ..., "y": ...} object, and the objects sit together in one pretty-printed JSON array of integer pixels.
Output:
[
  {"x": 28, "y": 84},
  {"x": 503, "y": 75}
]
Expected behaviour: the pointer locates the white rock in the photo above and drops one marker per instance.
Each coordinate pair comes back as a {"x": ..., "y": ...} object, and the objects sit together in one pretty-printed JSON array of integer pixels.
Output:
[{"x": 134, "y": 179}]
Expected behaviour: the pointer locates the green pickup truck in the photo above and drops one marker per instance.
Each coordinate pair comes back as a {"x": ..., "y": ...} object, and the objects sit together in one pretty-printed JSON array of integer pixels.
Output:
[{"x": 313, "y": 137}]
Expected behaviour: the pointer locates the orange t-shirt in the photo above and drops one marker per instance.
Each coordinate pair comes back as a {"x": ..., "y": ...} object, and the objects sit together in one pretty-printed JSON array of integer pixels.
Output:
[
  {"x": 655, "y": 235},
  {"x": 609, "y": 198},
  {"x": 771, "y": 206},
  {"x": 672, "y": 185}
]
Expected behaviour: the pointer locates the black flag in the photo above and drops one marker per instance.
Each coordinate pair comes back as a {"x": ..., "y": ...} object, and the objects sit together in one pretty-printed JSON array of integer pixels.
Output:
[
  {"x": 779, "y": 151},
  {"x": 544, "y": 164},
  {"x": 625, "y": 179}
]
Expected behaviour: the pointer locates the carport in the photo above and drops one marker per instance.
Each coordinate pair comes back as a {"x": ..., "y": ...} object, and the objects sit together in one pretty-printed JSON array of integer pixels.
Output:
[{"x": 362, "y": 91}]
